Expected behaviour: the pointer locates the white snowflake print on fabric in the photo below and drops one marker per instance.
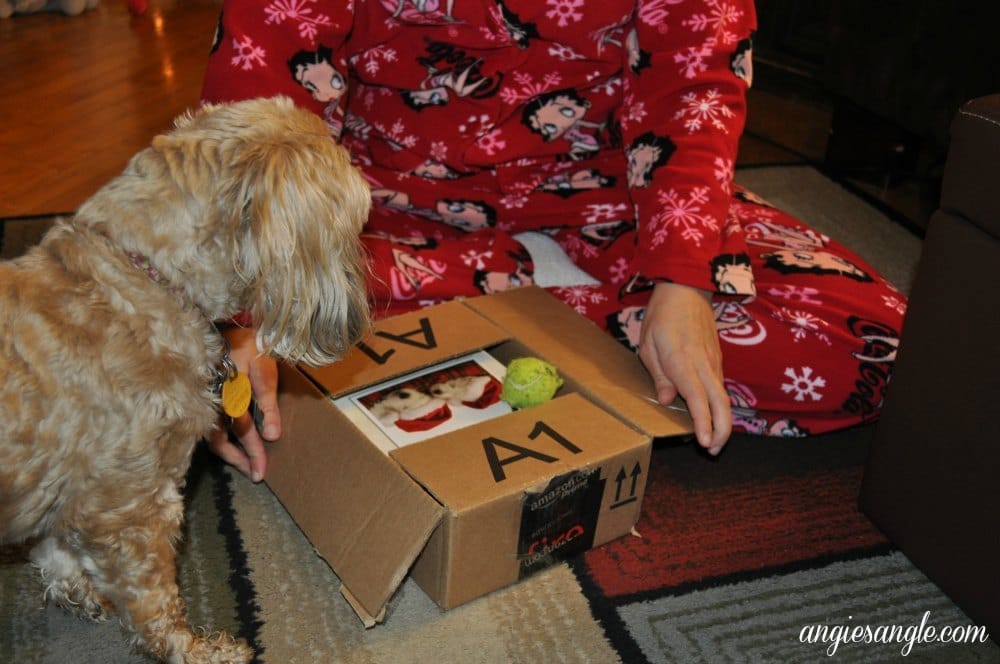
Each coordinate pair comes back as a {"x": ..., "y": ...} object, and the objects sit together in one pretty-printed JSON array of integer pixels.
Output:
[
  {"x": 577, "y": 248},
  {"x": 804, "y": 384},
  {"x": 373, "y": 59},
  {"x": 634, "y": 113},
  {"x": 473, "y": 258},
  {"x": 704, "y": 111},
  {"x": 300, "y": 12},
  {"x": 514, "y": 201},
  {"x": 491, "y": 143},
  {"x": 732, "y": 226},
  {"x": 564, "y": 53},
  {"x": 692, "y": 59},
  {"x": 720, "y": 16},
  {"x": 397, "y": 134},
  {"x": 517, "y": 196},
  {"x": 489, "y": 35},
  {"x": 478, "y": 125},
  {"x": 724, "y": 175},
  {"x": 895, "y": 303},
  {"x": 681, "y": 213},
  {"x": 439, "y": 150},
  {"x": 597, "y": 212},
  {"x": 750, "y": 211},
  {"x": 493, "y": 30},
  {"x": 527, "y": 87},
  {"x": 579, "y": 297},
  {"x": 794, "y": 294},
  {"x": 565, "y": 11},
  {"x": 607, "y": 86},
  {"x": 248, "y": 55},
  {"x": 619, "y": 271},
  {"x": 802, "y": 324}
]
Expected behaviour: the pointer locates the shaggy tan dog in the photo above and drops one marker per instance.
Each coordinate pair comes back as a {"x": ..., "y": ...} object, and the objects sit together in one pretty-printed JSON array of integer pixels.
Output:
[{"x": 108, "y": 352}]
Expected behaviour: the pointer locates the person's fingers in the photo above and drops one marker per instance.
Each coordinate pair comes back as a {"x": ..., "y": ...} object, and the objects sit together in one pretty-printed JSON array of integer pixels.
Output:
[
  {"x": 264, "y": 383},
  {"x": 258, "y": 459},
  {"x": 722, "y": 415},
  {"x": 683, "y": 380},
  {"x": 692, "y": 390},
  {"x": 679, "y": 345},
  {"x": 666, "y": 391},
  {"x": 253, "y": 446},
  {"x": 249, "y": 456},
  {"x": 718, "y": 398},
  {"x": 218, "y": 441}
]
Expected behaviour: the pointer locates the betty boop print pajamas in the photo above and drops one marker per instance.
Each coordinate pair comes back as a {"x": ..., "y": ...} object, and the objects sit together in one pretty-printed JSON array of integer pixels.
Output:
[{"x": 609, "y": 125}]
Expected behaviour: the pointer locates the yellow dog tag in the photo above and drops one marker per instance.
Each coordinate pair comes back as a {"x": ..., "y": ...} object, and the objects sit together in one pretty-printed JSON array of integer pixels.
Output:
[{"x": 236, "y": 395}]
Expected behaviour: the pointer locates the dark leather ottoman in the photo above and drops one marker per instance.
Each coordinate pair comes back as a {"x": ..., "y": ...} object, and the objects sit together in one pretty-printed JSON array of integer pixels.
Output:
[{"x": 932, "y": 482}]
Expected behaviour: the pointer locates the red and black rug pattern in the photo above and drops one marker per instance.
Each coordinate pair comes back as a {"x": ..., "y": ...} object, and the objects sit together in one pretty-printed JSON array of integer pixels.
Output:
[{"x": 764, "y": 508}]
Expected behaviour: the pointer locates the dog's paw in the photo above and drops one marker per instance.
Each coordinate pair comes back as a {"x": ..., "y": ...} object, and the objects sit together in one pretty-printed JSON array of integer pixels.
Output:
[
  {"x": 218, "y": 648},
  {"x": 78, "y": 597},
  {"x": 81, "y": 603},
  {"x": 66, "y": 584}
]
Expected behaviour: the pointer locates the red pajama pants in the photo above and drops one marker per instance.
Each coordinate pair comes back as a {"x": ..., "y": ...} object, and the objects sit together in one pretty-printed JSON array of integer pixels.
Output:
[{"x": 810, "y": 353}]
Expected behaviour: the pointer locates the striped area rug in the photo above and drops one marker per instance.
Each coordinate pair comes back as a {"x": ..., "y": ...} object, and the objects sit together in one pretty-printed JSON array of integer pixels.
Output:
[
  {"x": 212, "y": 573},
  {"x": 738, "y": 558},
  {"x": 769, "y": 619}
]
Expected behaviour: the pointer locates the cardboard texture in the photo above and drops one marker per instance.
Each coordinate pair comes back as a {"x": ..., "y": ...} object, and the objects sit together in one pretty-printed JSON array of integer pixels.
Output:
[
  {"x": 403, "y": 343},
  {"x": 473, "y": 510},
  {"x": 322, "y": 461}
]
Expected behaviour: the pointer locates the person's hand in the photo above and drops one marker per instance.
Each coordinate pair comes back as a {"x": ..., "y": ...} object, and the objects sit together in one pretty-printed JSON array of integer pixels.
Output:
[
  {"x": 680, "y": 347},
  {"x": 250, "y": 457}
]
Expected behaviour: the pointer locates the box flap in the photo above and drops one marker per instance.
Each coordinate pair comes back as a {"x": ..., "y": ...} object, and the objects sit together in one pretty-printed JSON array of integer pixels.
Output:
[
  {"x": 607, "y": 372},
  {"x": 509, "y": 455},
  {"x": 403, "y": 343},
  {"x": 367, "y": 619},
  {"x": 365, "y": 516}
]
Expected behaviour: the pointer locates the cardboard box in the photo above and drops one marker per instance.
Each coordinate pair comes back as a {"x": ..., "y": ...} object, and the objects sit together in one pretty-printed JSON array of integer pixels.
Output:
[{"x": 473, "y": 510}]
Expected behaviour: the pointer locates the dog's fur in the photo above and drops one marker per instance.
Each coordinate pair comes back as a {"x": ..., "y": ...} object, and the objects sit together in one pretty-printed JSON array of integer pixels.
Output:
[
  {"x": 106, "y": 377},
  {"x": 403, "y": 402},
  {"x": 457, "y": 391}
]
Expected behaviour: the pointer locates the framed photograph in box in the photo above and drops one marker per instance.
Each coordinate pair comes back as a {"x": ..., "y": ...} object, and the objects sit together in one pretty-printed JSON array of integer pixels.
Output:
[{"x": 429, "y": 402}]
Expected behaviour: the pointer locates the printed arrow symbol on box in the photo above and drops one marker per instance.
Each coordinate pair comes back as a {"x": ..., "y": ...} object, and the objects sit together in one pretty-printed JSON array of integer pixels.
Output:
[{"x": 620, "y": 481}]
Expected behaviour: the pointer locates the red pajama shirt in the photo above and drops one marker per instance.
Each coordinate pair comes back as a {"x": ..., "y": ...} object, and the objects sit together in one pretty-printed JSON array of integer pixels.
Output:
[{"x": 609, "y": 125}]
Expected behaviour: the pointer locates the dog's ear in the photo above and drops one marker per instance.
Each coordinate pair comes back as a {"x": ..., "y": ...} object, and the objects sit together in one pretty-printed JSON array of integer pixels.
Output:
[{"x": 301, "y": 209}]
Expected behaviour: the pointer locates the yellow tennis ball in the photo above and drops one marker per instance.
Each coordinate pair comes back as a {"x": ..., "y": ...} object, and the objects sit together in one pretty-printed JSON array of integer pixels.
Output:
[{"x": 529, "y": 382}]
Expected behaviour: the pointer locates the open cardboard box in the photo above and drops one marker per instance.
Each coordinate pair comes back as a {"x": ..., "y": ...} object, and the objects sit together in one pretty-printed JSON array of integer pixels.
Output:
[{"x": 473, "y": 510}]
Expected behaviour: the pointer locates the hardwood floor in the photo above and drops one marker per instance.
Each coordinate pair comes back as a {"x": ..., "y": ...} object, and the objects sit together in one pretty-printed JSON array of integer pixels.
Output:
[{"x": 80, "y": 95}]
